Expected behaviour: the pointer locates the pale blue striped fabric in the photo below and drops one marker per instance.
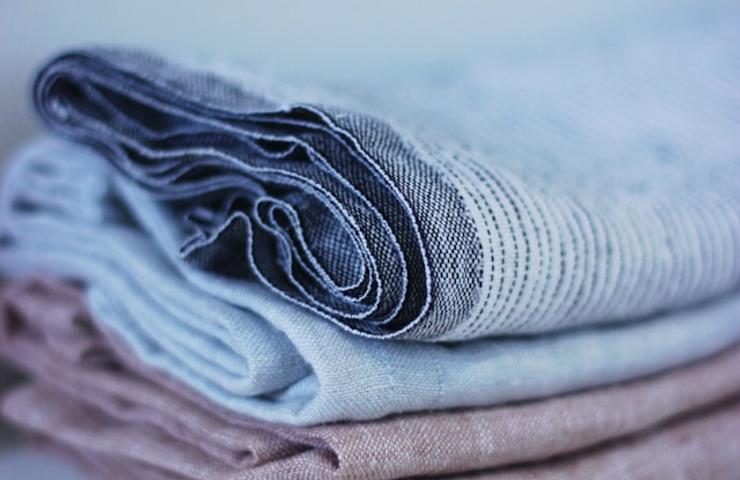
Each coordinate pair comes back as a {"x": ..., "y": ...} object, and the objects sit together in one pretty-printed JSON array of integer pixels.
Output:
[
  {"x": 66, "y": 212},
  {"x": 506, "y": 199}
]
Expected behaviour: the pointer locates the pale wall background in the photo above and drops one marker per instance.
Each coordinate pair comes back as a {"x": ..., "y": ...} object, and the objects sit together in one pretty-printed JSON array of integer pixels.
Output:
[{"x": 320, "y": 40}]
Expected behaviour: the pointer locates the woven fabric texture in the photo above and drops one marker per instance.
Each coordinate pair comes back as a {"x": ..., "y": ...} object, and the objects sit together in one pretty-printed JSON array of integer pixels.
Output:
[
  {"x": 507, "y": 199},
  {"x": 64, "y": 212},
  {"x": 90, "y": 395}
]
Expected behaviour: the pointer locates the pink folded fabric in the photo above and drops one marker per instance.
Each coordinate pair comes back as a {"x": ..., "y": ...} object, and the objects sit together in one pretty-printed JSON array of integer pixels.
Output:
[
  {"x": 92, "y": 397},
  {"x": 705, "y": 446}
]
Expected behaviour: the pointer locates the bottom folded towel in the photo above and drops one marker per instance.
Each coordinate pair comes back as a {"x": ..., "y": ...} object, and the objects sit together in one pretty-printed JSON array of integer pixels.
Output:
[
  {"x": 704, "y": 446},
  {"x": 93, "y": 398}
]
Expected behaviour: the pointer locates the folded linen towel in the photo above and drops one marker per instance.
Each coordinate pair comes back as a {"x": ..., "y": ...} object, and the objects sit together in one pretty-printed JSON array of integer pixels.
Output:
[
  {"x": 513, "y": 200},
  {"x": 703, "y": 446},
  {"x": 65, "y": 212},
  {"x": 91, "y": 395}
]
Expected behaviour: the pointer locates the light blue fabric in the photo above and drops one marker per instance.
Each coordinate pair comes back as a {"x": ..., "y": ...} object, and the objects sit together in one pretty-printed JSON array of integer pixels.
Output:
[
  {"x": 503, "y": 199},
  {"x": 65, "y": 211}
]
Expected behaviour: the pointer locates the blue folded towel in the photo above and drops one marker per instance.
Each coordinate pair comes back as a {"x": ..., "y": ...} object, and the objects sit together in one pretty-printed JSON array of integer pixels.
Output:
[
  {"x": 524, "y": 199},
  {"x": 64, "y": 211}
]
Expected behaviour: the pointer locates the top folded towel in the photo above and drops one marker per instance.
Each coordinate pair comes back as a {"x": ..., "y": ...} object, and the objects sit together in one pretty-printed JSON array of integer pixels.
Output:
[{"x": 516, "y": 200}]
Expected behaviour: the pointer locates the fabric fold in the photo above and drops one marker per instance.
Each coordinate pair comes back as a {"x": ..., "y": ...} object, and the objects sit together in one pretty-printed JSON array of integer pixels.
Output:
[
  {"x": 468, "y": 210},
  {"x": 91, "y": 395},
  {"x": 702, "y": 446},
  {"x": 64, "y": 212}
]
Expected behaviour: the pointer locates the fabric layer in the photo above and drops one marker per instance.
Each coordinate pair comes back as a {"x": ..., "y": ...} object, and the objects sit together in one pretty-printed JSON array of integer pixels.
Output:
[
  {"x": 704, "y": 446},
  {"x": 90, "y": 394},
  {"x": 64, "y": 212},
  {"x": 509, "y": 199}
]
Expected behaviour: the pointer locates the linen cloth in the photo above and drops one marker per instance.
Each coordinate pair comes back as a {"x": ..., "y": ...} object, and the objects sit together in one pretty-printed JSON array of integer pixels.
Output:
[
  {"x": 703, "y": 447},
  {"x": 64, "y": 213},
  {"x": 507, "y": 199},
  {"x": 90, "y": 394}
]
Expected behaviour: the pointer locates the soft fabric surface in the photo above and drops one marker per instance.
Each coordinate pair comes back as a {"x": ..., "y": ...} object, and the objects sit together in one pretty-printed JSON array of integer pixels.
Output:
[
  {"x": 514, "y": 198},
  {"x": 705, "y": 446},
  {"x": 64, "y": 212},
  {"x": 92, "y": 396}
]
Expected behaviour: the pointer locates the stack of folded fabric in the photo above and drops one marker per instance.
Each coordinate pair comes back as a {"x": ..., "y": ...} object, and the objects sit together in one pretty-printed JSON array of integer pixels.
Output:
[{"x": 521, "y": 271}]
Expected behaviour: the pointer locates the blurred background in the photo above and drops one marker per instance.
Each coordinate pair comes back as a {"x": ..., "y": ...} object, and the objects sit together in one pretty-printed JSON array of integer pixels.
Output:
[
  {"x": 317, "y": 41},
  {"x": 324, "y": 42}
]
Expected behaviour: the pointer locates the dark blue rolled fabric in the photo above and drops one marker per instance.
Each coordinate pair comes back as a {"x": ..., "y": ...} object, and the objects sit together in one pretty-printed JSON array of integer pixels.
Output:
[{"x": 511, "y": 201}]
